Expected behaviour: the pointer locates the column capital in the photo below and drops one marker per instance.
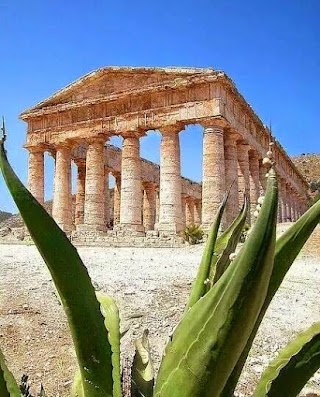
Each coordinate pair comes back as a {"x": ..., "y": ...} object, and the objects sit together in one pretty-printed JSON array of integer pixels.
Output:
[
  {"x": 253, "y": 154},
  {"x": 170, "y": 129},
  {"x": 36, "y": 148},
  {"x": 213, "y": 123},
  {"x": 231, "y": 138}
]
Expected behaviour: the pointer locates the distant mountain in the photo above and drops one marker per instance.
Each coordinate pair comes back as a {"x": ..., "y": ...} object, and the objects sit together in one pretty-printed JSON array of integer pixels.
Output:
[{"x": 4, "y": 215}]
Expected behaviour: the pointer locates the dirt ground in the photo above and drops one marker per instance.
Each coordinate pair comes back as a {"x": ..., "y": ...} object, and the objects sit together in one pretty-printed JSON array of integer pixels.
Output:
[{"x": 151, "y": 287}]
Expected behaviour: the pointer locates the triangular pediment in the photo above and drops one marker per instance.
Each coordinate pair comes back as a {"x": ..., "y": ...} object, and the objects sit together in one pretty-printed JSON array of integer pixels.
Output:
[{"x": 112, "y": 80}]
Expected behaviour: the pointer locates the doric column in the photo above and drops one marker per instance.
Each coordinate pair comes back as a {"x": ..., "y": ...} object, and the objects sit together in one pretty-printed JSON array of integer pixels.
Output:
[
  {"x": 116, "y": 199},
  {"x": 80, "y": 194},
  {"x": 231, "y": 172},
  {"x": 293, "y": 206},
  {"x": 243, "y": 171},
  {"x": 288, "y": 203},
  {"x": 279, "y": 219},
  {"x": 197, "y": 212},
  {"x": 283, "y": 200},
  {"x": 157, "y": 205},
  {"x": 95, "y": 186},
  {"x": 184, "y": 210},
  {"x": 254, "y": 179},
  {"x": 131, "y": 192},
  {"x": 213, "y": 170},
  {"x": 190, "y": 211},
  {"x": 106, "y": 198},
  {"x": 149, "y": 205},
  {"x": 62, "y": 199},
  {"x": 36, "y": 173},
  {"x": 170, "y": 216},
  {"x": 262, "y": 178}
]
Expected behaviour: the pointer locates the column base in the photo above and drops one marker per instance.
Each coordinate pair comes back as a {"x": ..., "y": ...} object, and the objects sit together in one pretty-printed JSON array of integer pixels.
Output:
[
  {"x": 66, "y": 228},
  {"x": 82, "y": 227},
  {"x": 169, "y": 228},
  {"x": 129, "y": 228}
]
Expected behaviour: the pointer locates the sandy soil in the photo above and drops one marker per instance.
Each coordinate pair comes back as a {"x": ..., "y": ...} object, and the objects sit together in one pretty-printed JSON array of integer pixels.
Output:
[{"x": 151, "y": 288}]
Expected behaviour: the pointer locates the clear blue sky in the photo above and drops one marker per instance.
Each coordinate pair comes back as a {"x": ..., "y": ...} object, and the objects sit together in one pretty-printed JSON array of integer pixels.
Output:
[{"x": 271, "y": 49}]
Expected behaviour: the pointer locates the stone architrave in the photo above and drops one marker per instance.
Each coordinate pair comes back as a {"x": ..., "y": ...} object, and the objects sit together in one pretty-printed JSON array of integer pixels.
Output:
[
  {"x": 213, "y": 171},
  {"x": 244, "y": 171},
  {"x": 95, "y": 186},
  {"x": 107, "y": 198},
  {"x": 254, "y": 180},
  {"x": 190, "y": 207},
  {"x": 62, "y": 198},
  {"x": 36, "y": 172},
  {"x": 149, "y": 206},
  {"x": 131, "y": 193},
  {"x": 80, "y": 194},
  {"x": 170, "y": 214},
  {"x": 231, "y": 175},
  {"x": 116, "y": 199}
]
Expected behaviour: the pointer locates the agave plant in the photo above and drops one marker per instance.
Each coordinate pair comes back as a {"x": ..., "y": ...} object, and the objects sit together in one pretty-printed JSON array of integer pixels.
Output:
[{"x": 208, "y": 349}]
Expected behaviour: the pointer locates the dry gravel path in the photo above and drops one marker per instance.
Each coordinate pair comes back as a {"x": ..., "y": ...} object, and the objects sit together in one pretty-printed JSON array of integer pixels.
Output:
[{"x": 151, "y": 288}]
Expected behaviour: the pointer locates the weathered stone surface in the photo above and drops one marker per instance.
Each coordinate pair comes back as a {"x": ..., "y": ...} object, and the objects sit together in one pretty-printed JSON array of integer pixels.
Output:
[
  {"x": 131, "y": 193},
  {"x": 213, "y": 171},
  {"x": 80, "y": 195},
  {"x": 95, "y": 186},
  {"x": 170, "y": 214},
  {"x": 62, "y": 204},
  {"x": 254, "y": 181},
  {"x": 244, "y": 171},
  {"x": 231, "y": 172},
  {"x": 36, "y": 173},
  {"x": 149, "y": 206}
]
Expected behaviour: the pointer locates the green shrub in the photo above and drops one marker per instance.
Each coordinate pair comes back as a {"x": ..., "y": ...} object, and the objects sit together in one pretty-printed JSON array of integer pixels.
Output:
[
  {"x": 193, "y": 234},
  {"x": 208, "y": 349}
]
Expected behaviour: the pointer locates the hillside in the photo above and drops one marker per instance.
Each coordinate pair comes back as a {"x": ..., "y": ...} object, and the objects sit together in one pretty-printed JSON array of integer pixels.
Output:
[
  {"x": 4, "y": 215},
  {"x": 309, "y": 165}
]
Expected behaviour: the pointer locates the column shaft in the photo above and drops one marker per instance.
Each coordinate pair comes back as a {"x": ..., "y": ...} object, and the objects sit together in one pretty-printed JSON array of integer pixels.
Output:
[
  {"x": 95, "y": 186},
  {"x": 254, "y": 180},
  {"x": 106, "y": 199},
  {"x": 170, "y": 216},
  {"x": 62, "y": 199},
  {"x": 36, "y": 173},
  {"x": 80, "y": 195},
  {"x": 231, "y": 170},
  {"x": 131, "y": 192},
  {"x": 149, "y": 207},
  {"x": 116, "y": 200},
  {"x": 197, "y": 212},
  {"x": 213, "y": 169},
  {"x": 190, "y": 211},
  {"x": 244, "y": 171}
]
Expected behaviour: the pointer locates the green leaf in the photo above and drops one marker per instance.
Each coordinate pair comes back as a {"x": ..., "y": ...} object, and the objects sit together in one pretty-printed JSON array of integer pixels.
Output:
[
  {"x": 8, "y": 385},
  {"x": 209, "y": 339},
  {"x": 199, "y": 287},
  {"x": 287, "y": 249},
  {"x": 293, "y": 367},
  {"x": 73, "y": 284},
  {"x": 142, "y": 373},
  {"x": 227, "y": 243},
  {"x": 111, "y": 316}
]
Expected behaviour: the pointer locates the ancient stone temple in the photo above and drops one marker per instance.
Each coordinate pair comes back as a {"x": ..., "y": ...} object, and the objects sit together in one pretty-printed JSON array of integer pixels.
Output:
[{"x": 75, "y": 124}]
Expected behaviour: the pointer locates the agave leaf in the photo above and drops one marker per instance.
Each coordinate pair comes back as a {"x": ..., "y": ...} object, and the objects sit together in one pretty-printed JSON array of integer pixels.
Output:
[
  {"x": 227, "y": 243},
  {"x": 8, "y": 385},
  {"x": 209, "y": 339},
  {"x": 293, "y": 367},
  {"x": 142, "y": 373},
  {"x": 199, "y": 287},
  {"x": 287, "y": 249},
  {"x": 111, "y": 316},
  {"x": 73, "y": 284}
]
